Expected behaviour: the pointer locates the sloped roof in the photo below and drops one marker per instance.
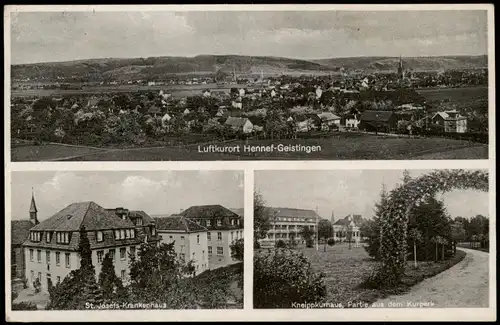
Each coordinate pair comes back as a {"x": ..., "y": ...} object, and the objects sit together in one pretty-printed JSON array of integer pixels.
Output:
[
  {"x": 236, "y": 121},
  {"x": 376, "y": 116},
  {"x": 154, "y": 109},
  {"x": 33, "y": 205},
  {"x": 441, "y": 114},
  {"x": 357, "y": 219},
  {"x": 291, "y": 212},
  {"x": 178, "y": 224},
  {"x": 88, "y": 214},
  {"x": 20, "y": 231},
  {"x": 146, "y": 219},
  {"x": 328, "y": 116},
  {"x": 207, "y": 211}
]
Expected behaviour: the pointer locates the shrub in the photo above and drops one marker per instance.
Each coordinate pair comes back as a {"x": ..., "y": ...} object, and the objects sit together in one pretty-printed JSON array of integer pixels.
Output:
[
  {"x": 280, "y": 244},
  {"x": 284, "y": 277},
  {"x": 309, "y": 243},
  {"x": 24, "y": 306},
  {"x": 256, "y": 244},
  {"x": 37, "y": 285},
  {"x": 331, "y": 242}
]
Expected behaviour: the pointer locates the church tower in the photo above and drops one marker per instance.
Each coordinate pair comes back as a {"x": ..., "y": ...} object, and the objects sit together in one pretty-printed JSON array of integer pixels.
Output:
[
  {"x": 332, "y": 219},
  {"x": 401, "y": 71},
  {"x": 33, "y": 210}
]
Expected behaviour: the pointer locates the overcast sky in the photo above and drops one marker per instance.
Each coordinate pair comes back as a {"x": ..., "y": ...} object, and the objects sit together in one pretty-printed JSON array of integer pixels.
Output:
[
  {"x": 351, "y": 191},
  {"x": 162, "y": 192},
  {"x": 60, "y": 36}
]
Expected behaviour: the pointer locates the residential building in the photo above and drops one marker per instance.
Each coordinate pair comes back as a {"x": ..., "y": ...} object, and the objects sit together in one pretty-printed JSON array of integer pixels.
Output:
[
  {"x": 329, "y": 120},
  {"x": 19, "y": 232},
  {"x": 287, "y": 223},
  {"x": 240, "y": 124},
  {"x": 347, "y": 229},
  {"x": 450, "y": 121},
  {"x": 51, "y": 251},
  {"x": 223, "y": 227},
  {"x": 351, "y": 121},
  {"x": 189, "y": 238},
  {"x": 378, "y": 121}
]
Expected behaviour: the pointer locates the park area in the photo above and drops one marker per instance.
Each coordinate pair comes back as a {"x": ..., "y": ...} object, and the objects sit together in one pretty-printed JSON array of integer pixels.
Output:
[
  {"x": 342, "y": 146},
  {"x": 347, "y": 269}
]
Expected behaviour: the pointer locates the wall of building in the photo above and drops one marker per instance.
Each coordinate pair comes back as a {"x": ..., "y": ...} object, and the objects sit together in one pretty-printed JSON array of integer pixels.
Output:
[
  {"x": 187, "y": 244},
  {"x": 216, "y": 260},
  {"x": 121, "y": 264}
]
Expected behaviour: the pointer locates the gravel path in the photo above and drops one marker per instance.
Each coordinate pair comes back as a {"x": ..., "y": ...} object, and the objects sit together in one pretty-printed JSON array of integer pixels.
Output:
[{"x": 466, "y": 284}]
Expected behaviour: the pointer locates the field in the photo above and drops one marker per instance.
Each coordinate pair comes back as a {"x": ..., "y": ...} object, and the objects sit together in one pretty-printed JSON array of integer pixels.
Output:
[
  {"x": 344, "y": 146},
  {"x": 464, "y": 98},
  {"x": 345, "y": 271}
]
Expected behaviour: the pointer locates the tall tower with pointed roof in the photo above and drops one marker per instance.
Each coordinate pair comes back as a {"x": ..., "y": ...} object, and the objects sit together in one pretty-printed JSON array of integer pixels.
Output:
[
  {"x": 401, "y": 71},
  {"x": 33, "y": 210},
  {"x": 332, "y": 219}
]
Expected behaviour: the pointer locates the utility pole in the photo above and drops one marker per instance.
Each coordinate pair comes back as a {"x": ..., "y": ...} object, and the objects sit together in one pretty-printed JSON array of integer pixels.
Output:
[{"x": 317, "y": 230}]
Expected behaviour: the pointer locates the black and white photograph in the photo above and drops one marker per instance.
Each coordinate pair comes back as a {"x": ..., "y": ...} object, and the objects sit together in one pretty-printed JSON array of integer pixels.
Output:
[
  {"x": 126, "y": 240},
  {"x": 243, "y": 84},
  {"x": 371, "y": 239}
]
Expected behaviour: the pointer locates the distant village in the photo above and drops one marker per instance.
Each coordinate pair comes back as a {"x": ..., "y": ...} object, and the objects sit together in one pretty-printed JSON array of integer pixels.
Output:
[{"x": 236, "y": 107}]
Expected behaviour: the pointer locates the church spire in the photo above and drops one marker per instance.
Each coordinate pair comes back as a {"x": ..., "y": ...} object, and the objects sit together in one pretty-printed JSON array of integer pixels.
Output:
[{"x": 33, "y": 210}]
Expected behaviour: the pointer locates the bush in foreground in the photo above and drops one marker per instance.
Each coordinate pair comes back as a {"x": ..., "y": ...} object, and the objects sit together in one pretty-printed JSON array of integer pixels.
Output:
[{"x": 284, "y": 277}]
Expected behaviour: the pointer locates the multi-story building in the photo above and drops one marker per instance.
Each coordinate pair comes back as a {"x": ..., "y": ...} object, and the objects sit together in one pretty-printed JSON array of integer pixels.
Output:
[
  {"x": 189, "y": 238},
  {"x": 287, "y": 223},
  {"x": 223, "y": 227},
  {"x": 347, "y": 229},
  {"x": 51, "y": 252}
]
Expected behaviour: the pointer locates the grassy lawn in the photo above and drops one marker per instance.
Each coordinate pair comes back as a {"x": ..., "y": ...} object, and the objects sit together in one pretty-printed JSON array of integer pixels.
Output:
[
  {"x": 230, "y": 275},
  {"x": 345, "y": 146},
  {"x": 346, "y": 271}
]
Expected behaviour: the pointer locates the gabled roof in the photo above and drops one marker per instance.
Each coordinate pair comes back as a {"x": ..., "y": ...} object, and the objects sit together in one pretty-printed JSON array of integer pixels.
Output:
[
  {"x": 146, "y": 219},
  {"x": 377, "y": 116},
  {"x": 328, "y": 116},
  {"x": 207, "y": 211},
  {"x": 178, "y": 224},
  {"x": 19, "y": 231},
  {"x": 441, "y": 114},
  {"x": 88, "y": 214},
  {"x": 154, "y": 109},
  {"x": 236, "y": 121},
  {"x": 291, "y": 212},
  {"x": 355, "y": 219}
]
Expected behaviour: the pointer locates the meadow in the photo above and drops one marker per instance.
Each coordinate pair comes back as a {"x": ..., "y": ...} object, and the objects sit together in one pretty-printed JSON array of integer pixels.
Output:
[{"x": 344, "y": 146}]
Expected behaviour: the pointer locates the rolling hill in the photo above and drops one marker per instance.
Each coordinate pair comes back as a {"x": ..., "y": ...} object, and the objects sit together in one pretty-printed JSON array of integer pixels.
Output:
[{"x": 153, "y": 67}]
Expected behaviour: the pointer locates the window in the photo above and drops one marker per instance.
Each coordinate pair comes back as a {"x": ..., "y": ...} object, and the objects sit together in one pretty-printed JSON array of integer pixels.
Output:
[
  {"x": 203, "y": 255},
  {"x": 123, "y": 253},
  {"x": 58, "y": 258},
  {"x": 209, "y": 250},
  {"x": 112, "y": 254},
  {"x": 209, "y": 236},
  {"x": 182, "y": 237},
  {"x": 39, "y": 256},
  {"x": 62, "y": 237},
  {"x": 117, "y": 234},
  {"x": 153, "y": 231},
  {"x": 127, "y": 233},
  {"x": 209, "y": 223},
  {"x": 68, "y": 261},
  {"x": 122, "y": 275},
  {"x": 171, "y": 238},
  {"x": 219, "y": 236},
  {"x": 48, "y": 237},
  {"x": 99, "y": 236},
  {"x": 138, "y": 222},
  {"x": 132, "y": 250},
  {"x": 31, "y": 255},
  {"x": 219, "y": 222},
  {"x": 132, "y": 233},
  {"x": 232, "y": 235},
  {"x": 100, "y": 255},
  {"x": 58, "y": 279},
  {"x": 47, "y": 256},
  {"x": 232, "y": 222},
  {"x": 32, "y": 275},
  {"x": 122, "y": 233},
  {"x": 197, "y": 239},
  {"x": 241, "y": 233},
  {"x": 220, "y": 250},
  {"x": 66, "y": 238}
]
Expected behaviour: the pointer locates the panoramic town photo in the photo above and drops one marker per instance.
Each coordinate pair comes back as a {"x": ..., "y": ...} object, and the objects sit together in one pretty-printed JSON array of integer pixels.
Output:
[
  {"x": 126, "y": 240},
  {"x": 248, "y": 85},
  {"x": 371, "y": 239}
]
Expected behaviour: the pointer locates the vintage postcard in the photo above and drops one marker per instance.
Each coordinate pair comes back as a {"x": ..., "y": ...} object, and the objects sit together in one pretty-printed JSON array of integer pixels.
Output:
[
  {"x": 249, "y": 83},
  {"x": 250, "y": 162}
]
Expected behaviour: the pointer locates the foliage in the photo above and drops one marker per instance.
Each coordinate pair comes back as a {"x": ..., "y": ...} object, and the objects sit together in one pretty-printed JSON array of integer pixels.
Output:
[
  {"x": 110, "y": 284},
  {"x": 237, "y": 248},
  {"x": 23, "y": 305},
  {"x": 280, "y": 244},
  {"x": 284, "y": 277},
  {"x": 37, "y": 285},
  {"x": 80, "y": 286},
  {"x": 331, "y": 242},
  {"x": 262, "y": 223},
  {"x": 325, "y": 229},
  {"x": 394, "y": 221},
  {"x": 371, "y": 228}
]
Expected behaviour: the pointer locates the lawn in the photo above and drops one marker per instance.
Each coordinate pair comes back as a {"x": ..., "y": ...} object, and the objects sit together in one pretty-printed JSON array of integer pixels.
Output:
[
  {"x": 346, "y": 270},
  {"x": 344, "y": 146},
  {"x": 232, "y": 275}
]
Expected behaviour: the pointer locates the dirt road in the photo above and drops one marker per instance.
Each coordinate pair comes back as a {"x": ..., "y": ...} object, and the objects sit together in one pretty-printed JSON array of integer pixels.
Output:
[{"x": 463, "y": 285}]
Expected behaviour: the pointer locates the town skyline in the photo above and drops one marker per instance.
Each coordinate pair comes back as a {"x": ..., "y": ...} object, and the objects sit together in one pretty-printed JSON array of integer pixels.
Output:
[
  {"x": 344, "y": 194},
  {"x": 131, "y": 190},
  {"x": 69, "y": 36}
]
